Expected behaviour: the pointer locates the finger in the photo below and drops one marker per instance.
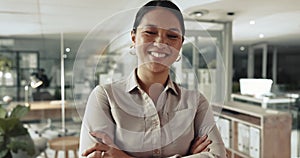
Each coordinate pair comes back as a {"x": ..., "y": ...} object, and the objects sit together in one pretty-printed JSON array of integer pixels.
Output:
[
  {"x": 95, "y": 154},
  {"x": 198, "y": 141},
  {"x": 202, "y": 146},
  {"x": 194, "y": 144},
  {"x": 206, "y": 150},
  {"x": 97, "y": 147}
]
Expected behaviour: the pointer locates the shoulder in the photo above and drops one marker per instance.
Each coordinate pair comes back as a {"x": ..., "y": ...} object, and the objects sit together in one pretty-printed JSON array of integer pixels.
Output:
[
  {"x": 116, "y": 84},
  {"x": 107, "y": 89}
]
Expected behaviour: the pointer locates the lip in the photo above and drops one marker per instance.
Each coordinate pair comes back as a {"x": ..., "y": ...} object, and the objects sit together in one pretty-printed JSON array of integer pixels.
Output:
[
  {"x": 158, "y": 57},
  {"x": 158, "y": 54}
]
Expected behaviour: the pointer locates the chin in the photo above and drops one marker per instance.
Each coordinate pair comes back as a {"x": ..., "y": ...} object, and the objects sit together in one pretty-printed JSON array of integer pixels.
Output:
[{"x": 156, "y": 67}]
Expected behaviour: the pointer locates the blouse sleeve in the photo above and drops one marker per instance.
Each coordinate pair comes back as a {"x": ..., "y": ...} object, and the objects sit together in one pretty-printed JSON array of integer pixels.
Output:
[
  {"x": 205, "y": 124},
  {"x": 97, "y": 117}
]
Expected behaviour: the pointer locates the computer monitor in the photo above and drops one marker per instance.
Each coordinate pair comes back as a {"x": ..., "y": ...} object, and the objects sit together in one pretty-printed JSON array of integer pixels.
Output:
[{"x": 255, "y": 86}]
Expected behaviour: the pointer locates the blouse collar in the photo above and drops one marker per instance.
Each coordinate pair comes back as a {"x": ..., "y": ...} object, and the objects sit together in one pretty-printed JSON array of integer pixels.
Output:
[{"x": 132, "y": 83}]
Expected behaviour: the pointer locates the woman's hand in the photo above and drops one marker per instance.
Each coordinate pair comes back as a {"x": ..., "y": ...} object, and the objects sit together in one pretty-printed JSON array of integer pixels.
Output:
[
  {"x": 200, "y": 144},
  {"x": 101, "y": 150},
  {"x": 106, "y": 149}
]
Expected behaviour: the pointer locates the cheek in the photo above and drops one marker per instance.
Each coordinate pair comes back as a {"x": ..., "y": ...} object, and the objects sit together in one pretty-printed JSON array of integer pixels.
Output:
[
  {"x": 142, "y": 44},
  {"x": 176, "y": 47},
  {"x": 142, "y": 47},
  {"x": 142, "y": 39}
]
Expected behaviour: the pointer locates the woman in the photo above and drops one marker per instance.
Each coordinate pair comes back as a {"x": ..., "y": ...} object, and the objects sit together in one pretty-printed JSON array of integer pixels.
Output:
[{"x": 148, "y": 115}]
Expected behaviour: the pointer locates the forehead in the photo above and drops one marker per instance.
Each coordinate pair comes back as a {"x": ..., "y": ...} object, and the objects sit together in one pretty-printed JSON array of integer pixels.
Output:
[{"x": 162, "y": 18}]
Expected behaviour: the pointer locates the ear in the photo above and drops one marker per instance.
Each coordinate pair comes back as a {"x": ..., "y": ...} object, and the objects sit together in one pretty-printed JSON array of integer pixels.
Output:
[{"x": 133, "y": 36}]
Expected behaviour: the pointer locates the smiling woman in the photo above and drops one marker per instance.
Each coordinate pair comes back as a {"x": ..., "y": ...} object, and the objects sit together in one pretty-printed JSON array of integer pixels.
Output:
[
  {"x": 147, "y": 114},
  {"x": 157, "y": 39}
]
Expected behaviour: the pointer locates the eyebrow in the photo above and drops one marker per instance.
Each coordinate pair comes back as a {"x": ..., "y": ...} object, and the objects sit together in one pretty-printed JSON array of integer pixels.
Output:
[{"x": 170, "y": 29}]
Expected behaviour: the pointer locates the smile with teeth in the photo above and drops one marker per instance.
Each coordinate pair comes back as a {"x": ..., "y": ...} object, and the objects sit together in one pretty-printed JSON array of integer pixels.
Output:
[{"x": 158, "y": 55}]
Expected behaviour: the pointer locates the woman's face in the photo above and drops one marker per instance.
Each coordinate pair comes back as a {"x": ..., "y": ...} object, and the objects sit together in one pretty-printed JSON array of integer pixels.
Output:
[{"x": 158, "y": 40}]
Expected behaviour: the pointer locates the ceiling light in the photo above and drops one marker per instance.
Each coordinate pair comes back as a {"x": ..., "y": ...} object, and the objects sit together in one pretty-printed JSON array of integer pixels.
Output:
[
  {"x": 261, "y": 35},
  {"x": 68, "y": 50},
  {"x": 198, "y": 13},
  {"x": 230, "y": 13},
  {"x": 242, "y": 48},
  {"x": 252, "y": 22}
]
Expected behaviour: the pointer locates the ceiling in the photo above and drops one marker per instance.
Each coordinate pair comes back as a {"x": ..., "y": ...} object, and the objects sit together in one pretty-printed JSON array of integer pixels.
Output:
[{"x": 278, "y": 20}]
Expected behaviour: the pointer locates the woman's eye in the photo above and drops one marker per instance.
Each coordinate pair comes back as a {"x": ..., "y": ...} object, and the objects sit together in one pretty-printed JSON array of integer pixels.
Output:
[
  {"x": 173, "y": 36},
  {"x": 150, "y": 32}
]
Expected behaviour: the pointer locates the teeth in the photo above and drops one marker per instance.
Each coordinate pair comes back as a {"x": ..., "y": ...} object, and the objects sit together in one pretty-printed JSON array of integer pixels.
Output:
[{"x": 158, "y": 55}]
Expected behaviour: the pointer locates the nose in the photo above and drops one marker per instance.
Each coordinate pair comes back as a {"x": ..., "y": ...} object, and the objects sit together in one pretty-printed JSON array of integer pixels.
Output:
[{"x": 160, "y": 41}]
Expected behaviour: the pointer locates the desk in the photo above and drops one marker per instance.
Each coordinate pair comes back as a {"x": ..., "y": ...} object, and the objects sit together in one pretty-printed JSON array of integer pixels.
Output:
[
  {"x": 65, "y": 144},
  {"x": 47, "y": 109},
  {"x": 265, "y": 101}
]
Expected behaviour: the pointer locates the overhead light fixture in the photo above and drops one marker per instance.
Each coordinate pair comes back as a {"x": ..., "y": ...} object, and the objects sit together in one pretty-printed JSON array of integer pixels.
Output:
[
  {"x": 252, "y": 22},
  {"x": 198, "y": 13},
  {"x": 261, "y": 35},
  {"x": 68, "y": 50},
  {"x": 242, "y": 48},
  {"x": 230, "y": 13}
]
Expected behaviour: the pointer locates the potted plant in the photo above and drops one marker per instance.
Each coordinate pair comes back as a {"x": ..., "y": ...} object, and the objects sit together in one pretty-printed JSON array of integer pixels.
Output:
[{"x": 14, "y": 137}]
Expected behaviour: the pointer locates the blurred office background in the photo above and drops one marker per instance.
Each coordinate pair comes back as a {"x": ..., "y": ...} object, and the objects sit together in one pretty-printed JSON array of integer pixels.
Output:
[{"x": 80, "y": 44}]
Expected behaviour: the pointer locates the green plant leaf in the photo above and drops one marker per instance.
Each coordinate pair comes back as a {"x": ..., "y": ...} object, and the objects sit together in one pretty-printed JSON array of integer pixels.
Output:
[
  {"x": 3, "y": 148},
  {"x": 7, "y": 125},
  {"x": 13, "y": 135},
  {"x": 18, "y": 130},
  {"x": 19, "y": 111},
  {"x": 4, "y": 153},
  {"x": 2, "y": 126},
  {"x": 2, "y": 112},
  {"x": 24, "y": 143}
]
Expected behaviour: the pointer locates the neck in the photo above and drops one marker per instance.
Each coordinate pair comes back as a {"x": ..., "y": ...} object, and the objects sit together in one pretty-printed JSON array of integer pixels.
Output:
[{"x": 148, "y": 78}]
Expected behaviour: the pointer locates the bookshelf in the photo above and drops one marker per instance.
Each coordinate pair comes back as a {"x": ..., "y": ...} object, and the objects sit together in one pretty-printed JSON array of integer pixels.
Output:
[{"x": 251, "y": 131}]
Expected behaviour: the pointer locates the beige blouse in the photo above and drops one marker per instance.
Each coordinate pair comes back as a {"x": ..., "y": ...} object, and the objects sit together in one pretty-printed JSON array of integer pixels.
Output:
[{"x": 143, "y": 129}]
